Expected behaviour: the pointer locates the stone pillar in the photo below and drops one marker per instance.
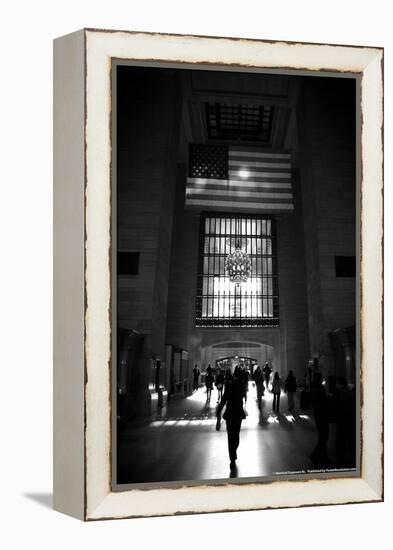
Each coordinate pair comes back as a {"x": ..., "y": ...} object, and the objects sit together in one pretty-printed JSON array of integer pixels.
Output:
[{"x": 327, "y": 150}]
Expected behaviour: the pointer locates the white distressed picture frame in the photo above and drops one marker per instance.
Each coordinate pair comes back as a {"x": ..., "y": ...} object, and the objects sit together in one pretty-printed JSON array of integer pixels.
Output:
[{"x": 82, "y": 334}]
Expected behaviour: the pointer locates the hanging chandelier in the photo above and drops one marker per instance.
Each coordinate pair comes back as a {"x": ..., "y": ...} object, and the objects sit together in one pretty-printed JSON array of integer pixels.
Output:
[
  {"x": 238, "y": 266},
  {"x": 238, "y": 263}
]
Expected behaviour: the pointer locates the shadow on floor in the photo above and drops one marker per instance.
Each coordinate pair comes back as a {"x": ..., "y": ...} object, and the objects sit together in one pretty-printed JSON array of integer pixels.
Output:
[{"x": 45, "y": 499}]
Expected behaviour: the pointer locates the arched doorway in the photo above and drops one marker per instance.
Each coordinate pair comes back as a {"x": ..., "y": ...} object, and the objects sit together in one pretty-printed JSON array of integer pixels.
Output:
[
  {"x": 234, "y": 360},
  {"x": 248, "y": 353}
]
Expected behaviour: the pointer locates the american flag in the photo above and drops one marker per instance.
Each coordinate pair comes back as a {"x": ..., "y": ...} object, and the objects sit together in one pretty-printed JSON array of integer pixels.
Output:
[{"x": 246, "y": 179}]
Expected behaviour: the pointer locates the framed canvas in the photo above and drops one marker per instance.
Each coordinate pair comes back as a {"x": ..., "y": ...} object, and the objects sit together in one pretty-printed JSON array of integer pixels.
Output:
[{"x": 218, "y": 340}]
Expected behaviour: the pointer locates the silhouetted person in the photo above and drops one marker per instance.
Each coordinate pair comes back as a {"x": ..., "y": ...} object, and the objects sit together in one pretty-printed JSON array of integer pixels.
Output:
[
  {"x": 258, "y": 379},
  {"x": 308, "y": 377},
  {"x": 209, "y": 379},
  {"x": 227, "y": 378},
  {"x": 276, "y": 390},
  {"x": 244, "y": 378},
  {"x": 313, "y": 369},
  {"x": 219, "y": 382},
  {"x": 267, "y": 372},
  {"x": 196, "y": 372},
  {"x": 315, "y": 366},
  {"x": 233, "y": 415},
  {"x": 290, "y": 389},
  {"x": 346, "y": 425},
  {"x": 321, "y": 415}
]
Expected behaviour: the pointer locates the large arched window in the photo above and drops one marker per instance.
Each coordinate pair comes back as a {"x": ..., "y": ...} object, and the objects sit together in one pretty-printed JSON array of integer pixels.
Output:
[{"x": 221, "y": 302}]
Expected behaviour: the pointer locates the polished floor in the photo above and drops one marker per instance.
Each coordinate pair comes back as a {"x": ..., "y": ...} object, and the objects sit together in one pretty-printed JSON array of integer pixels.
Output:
[{"x": 181, "y": 443}]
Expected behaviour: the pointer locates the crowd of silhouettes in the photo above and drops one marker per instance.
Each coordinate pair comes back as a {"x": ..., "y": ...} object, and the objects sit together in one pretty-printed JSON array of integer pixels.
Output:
[{"x": 335, "y": 404}]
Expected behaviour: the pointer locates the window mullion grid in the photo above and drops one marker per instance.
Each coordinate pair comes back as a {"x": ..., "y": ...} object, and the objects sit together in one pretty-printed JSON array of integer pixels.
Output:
[
  {"x": 214, "y": 270},
  {"x": 218, "y": 273},
  {"x": 208, "y": 269},
  {"x": 238, "y": 307},
  {"x": 274, "y": 271}
]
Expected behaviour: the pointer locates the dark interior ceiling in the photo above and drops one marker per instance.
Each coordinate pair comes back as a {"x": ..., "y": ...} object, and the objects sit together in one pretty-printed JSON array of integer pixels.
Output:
[
  {"x": 230, "y": 107},
  {"x": 239, "y": 122}
]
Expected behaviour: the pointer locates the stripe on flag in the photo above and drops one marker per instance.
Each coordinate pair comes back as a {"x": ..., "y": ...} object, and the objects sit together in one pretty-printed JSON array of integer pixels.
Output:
[{"x": 257, "y": 181}]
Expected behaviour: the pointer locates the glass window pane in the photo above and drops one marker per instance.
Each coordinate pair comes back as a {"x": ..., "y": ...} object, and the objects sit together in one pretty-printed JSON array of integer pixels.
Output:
[
  {"x": 215, "y": 307},
  {"x": 222, "y": 245},
  {"x": 269, "y": 246},
  {"x": 253, "y": 247},
  {"x": 209, "y": 307},
  {"x": 227, "y": 246},
  {"x": 268, "y": 227},
  {"x": 222, "y": 299},
  {"x": 259, "y": 306},
  {"x": 253, "y": 267}
]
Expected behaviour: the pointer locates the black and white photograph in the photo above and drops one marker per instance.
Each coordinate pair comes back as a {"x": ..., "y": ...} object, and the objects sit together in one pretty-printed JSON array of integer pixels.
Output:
[
  {"x": 235, "y": 223},
  {"x": 197, "y": 275}
]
